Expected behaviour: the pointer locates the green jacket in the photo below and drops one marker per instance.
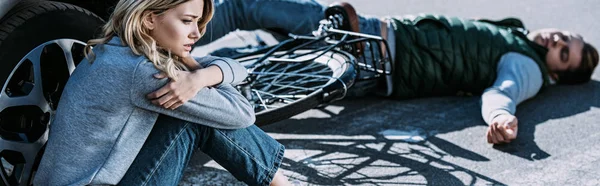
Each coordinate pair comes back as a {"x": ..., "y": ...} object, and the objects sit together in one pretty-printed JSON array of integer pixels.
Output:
[{"x": 441, "y": 56}]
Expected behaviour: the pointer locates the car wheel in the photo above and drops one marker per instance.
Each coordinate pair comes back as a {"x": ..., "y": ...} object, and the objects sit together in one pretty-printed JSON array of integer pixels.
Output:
[{"x": 41, "y": 42}]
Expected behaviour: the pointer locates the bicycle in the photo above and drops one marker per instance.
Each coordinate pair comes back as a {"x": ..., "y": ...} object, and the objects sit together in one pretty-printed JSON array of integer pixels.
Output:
[{"x": 304, "y": 72}]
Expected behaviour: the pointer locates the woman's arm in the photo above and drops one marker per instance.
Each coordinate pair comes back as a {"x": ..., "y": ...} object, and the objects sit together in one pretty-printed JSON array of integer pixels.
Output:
[
  {"x": 208, "y": 71},
  {"x": 219, "y": 107},
  {"x": 232, "y": 71},
  {"x": 229, "y": 71}
]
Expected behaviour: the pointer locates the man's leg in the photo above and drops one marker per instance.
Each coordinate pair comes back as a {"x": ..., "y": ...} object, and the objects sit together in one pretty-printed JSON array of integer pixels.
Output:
[
  {"x": 343, "y": 16},
  {"x": 249, "y": 154},
  {"x": 289, "y": 16}
]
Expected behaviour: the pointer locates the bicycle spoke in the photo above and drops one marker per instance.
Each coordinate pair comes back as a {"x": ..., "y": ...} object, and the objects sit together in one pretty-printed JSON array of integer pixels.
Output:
[
  {"x": 289, "y": 85},
  {"x": 306, "y": 68},
  {"x": 297, "y": 87},
  {"x": 279, "y": 89},
  {"x": 299, "y": 81},
  {"x": 261, "y": 100},
  {"x": 280, "y": 79},
  {"x": 275, "y": 84},
  {"x": 297, "y": 75},
  {"x": 284, "y": 97}
]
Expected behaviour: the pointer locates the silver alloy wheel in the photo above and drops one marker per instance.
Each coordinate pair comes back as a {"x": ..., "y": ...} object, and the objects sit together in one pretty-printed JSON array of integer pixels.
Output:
[{"x": 31, "y": 109}]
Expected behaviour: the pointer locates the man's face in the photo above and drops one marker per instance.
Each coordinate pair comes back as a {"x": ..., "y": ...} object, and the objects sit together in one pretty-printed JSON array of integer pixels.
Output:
[{"x": 564, "y": 49}]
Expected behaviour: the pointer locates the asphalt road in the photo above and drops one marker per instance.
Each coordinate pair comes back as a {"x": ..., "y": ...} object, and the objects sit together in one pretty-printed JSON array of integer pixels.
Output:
[{"x": 440, "y": 141}]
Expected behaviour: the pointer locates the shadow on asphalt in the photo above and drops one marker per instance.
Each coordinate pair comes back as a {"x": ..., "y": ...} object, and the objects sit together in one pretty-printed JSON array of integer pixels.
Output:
[
  {"x": 375, "y": 158},
  {"x": 348, "y": 147},
  {"x": 367, "y": 164},
  {"x": 431, "y": 117}
]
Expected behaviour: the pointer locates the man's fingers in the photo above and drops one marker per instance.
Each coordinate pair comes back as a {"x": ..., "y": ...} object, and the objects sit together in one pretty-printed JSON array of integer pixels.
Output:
[
  {"x": 493, "y": 135},
  {"x": 512, "y": 122},
  {"x": 502, "y": 130},
  {"x": 498, "y": 136},
  {"x": 512, "y": 126}
]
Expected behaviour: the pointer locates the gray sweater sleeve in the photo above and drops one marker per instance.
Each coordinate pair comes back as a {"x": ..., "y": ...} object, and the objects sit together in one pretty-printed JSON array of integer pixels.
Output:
[
  {"x": 220, "y": 107},
  {"x": 519, "y": 78},
  {"x": 233, "y": 71}
]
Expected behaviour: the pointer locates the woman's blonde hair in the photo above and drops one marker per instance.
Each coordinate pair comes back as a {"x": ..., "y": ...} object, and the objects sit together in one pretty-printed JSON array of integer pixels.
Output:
[{"x": 126, "y": 22}]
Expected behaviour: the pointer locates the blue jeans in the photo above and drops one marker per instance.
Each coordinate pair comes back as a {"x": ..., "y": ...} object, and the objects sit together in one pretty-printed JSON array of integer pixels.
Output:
[
  {"x": 249, "y": 153},
  {"x": 289, "y": 16}
]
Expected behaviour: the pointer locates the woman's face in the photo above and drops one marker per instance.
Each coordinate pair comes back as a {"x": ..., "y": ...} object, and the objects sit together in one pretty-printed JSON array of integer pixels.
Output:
[
  {"x": 177, "y": 28},
  {"x": 564, "y": 49}
]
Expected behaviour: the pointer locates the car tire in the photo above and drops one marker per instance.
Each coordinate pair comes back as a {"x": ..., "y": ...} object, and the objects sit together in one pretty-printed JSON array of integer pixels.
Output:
[{"x": 41, "y": 42}]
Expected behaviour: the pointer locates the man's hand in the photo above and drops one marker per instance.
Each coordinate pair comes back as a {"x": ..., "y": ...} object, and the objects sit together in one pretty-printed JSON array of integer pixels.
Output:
[
  {"x": 175, "y": 93},
  {"x": 503, "y": 129}
]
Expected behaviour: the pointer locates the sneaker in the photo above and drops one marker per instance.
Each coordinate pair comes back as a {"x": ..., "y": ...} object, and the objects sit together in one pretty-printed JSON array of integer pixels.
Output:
[{"x": 343, "y": 17}]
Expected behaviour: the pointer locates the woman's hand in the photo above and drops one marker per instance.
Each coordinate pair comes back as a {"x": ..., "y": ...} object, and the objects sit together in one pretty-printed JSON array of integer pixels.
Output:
[
  {"x": 503, "y": 129},
  {"x": 175, "y": 93}
]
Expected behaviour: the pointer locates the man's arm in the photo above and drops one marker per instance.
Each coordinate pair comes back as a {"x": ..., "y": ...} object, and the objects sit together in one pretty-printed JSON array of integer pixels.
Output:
[{"x": 519, "y": 78}]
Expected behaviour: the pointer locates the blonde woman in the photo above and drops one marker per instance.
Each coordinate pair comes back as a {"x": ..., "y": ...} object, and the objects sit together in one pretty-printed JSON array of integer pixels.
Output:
[{"x": 135, "y": 110}]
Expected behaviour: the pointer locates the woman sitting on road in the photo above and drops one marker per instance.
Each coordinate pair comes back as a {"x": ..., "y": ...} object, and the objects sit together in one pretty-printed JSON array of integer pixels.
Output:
[{"x": 111, "y": 128}]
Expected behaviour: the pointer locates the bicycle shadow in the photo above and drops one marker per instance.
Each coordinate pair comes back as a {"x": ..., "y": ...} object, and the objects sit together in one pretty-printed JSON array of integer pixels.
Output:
[
  {"x": 326, "y": 156},
  {"x": 349, "y": 142},
  {"x": 434, "y": 116},
  {"x": 387, "y": 146},
  {"x": 393, "y": 165}
]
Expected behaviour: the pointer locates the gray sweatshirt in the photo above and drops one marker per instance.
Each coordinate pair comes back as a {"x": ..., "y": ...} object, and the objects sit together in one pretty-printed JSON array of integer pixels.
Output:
[{"x": 104, "y": 117}]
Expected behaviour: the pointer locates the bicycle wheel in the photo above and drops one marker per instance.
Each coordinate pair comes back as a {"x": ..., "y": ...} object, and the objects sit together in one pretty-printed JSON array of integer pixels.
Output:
[{"x": 283, "y": 88}]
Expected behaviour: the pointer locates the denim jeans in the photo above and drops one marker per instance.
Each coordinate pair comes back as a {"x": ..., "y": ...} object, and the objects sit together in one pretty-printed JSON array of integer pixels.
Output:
[
  {"x": 289, "y": 16},
  {"x": 249, "y": 153}
]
